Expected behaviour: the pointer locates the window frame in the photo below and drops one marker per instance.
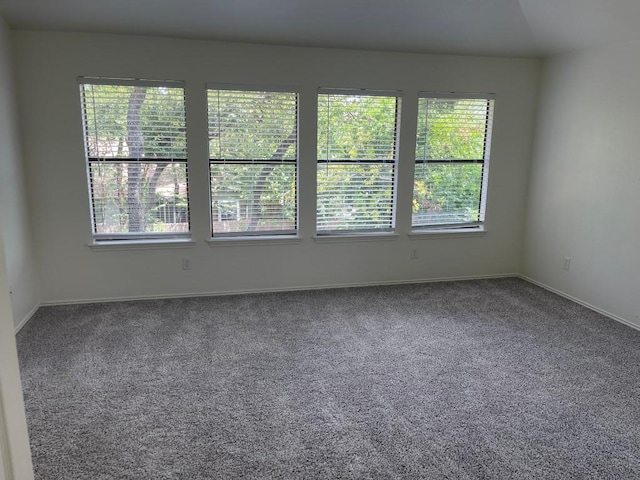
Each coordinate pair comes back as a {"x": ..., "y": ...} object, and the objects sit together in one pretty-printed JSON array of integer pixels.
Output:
[
  {"x": 354, "y": 234},
  {"x": 257, "y": 235},
  {"x": 459, "y": 227},
  {"x": 131, "y": 237}
]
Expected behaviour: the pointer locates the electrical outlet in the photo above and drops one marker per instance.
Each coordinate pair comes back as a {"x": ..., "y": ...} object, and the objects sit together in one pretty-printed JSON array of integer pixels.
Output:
[
  {"x": 186, "y": 263},
  {"x": 567, "y": 263},
  {"x": 414, "y": 254}
]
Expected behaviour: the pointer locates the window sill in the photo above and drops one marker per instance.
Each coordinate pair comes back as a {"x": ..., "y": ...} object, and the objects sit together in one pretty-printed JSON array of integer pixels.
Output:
[
  {"x": 434, "y": 233},
  {"x": 119, "y": 245},
  {"x": 254, "y": 240},
  {"x": 348, "y": 238}
]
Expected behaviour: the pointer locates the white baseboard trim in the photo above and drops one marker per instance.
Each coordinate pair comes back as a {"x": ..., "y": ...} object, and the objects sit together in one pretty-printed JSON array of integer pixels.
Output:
[
  {"x": 610, "y": 315},
  {"x": 278, "y": 289},
  {"x": 26, "y": 319},
  {"x": 328, "y": 286}
]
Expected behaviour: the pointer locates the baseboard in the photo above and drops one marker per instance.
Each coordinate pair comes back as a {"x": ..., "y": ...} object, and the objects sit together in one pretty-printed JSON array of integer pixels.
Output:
[
  {"x": 26, "y": 319},
  {"x": 581, "y": 302},
  {"x": 327, "y": 286},
  {"x": 279, "y": 289}
]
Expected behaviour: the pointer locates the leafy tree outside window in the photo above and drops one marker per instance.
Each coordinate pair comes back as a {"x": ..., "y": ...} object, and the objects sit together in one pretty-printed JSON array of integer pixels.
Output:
[
  {"x": 135, "y": 142},
  {"x": 253, "y": 137},
  {"x": 357, "y": 146},
  {"x": 452, "y": 160}
]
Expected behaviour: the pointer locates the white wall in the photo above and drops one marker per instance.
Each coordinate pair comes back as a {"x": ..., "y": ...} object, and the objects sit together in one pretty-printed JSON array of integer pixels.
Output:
[
  {"x": 14, "y": 439},
  {"x": 585, "y": 182},
  {"x": 47, "y": 67},
  {"x": 14, "y": 218}
]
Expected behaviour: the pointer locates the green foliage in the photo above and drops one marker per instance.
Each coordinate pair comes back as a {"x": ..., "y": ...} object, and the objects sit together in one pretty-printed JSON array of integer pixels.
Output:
[
  {"x": 446, "y": 193},
  {"x": 165, "y": 207},
  {"x": 255, "y": 133},
  {"x": 451, "y": 129},
  {"x": 233, "y": 188},
  {"x": 448, "y": 130},
  {"x": 259, "y": 128},
  {"x": 356, "y": 127},
  {"x": 162, "y": 121},
  {"x": 135, "y": 197},
  {"x": 355, "y": 195},
  {"x": 251, "y": 125}
]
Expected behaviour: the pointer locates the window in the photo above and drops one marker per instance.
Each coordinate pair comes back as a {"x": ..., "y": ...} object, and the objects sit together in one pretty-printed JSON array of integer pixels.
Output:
[
  {"x": 136, "y": 149},
  {"x": 253, "y": 151},
  {"x": 357, "y": 147},
  {"x": 452, "y": 160}
]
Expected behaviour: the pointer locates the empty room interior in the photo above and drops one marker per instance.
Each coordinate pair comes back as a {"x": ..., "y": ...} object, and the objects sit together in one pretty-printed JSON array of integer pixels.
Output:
[{"x": 288, "y": 239}]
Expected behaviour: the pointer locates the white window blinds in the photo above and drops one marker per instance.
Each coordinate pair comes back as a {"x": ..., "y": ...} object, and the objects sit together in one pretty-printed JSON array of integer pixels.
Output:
[
  {"x": 452, "y": 160},
  {"x": 357, "y": 146},
  {"x": 136, "y": 148},
  {"x": 253, "y": 138}
]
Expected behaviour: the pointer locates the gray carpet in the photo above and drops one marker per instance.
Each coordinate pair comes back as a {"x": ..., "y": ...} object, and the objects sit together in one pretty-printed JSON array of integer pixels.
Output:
[{"x": 482, "y": 379}]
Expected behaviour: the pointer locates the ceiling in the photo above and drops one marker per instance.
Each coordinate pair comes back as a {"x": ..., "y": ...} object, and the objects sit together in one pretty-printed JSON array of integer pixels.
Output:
[{"x": 528, "y": 28}]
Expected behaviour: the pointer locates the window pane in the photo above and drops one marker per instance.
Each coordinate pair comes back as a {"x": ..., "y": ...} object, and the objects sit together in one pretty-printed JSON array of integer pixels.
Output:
[
  {"x": 139, "y": 197},
  {"x": 253, "y": 198},
  {"x": 356, "y": 162},
  {"x": 452, "y": 159},
  {"x": 355, "y": 196},
  {"x": 252, "y": 125},
  {"x": 135, "y": 142},
  {"x": 452, "y": 128},
  {"x": 253, "y": 161},
  {"x": 356, "y": 127},
  {"x": 446, "y": 193},
  {"x": 134, "y": 122}
]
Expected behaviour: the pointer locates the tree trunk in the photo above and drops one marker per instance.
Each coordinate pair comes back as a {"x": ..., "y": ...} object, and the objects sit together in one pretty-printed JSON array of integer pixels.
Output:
[
  {"x": 135, "y": 208},
  {"x": 261, "y": 183},
  {"x": 155, "y": 177}
]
